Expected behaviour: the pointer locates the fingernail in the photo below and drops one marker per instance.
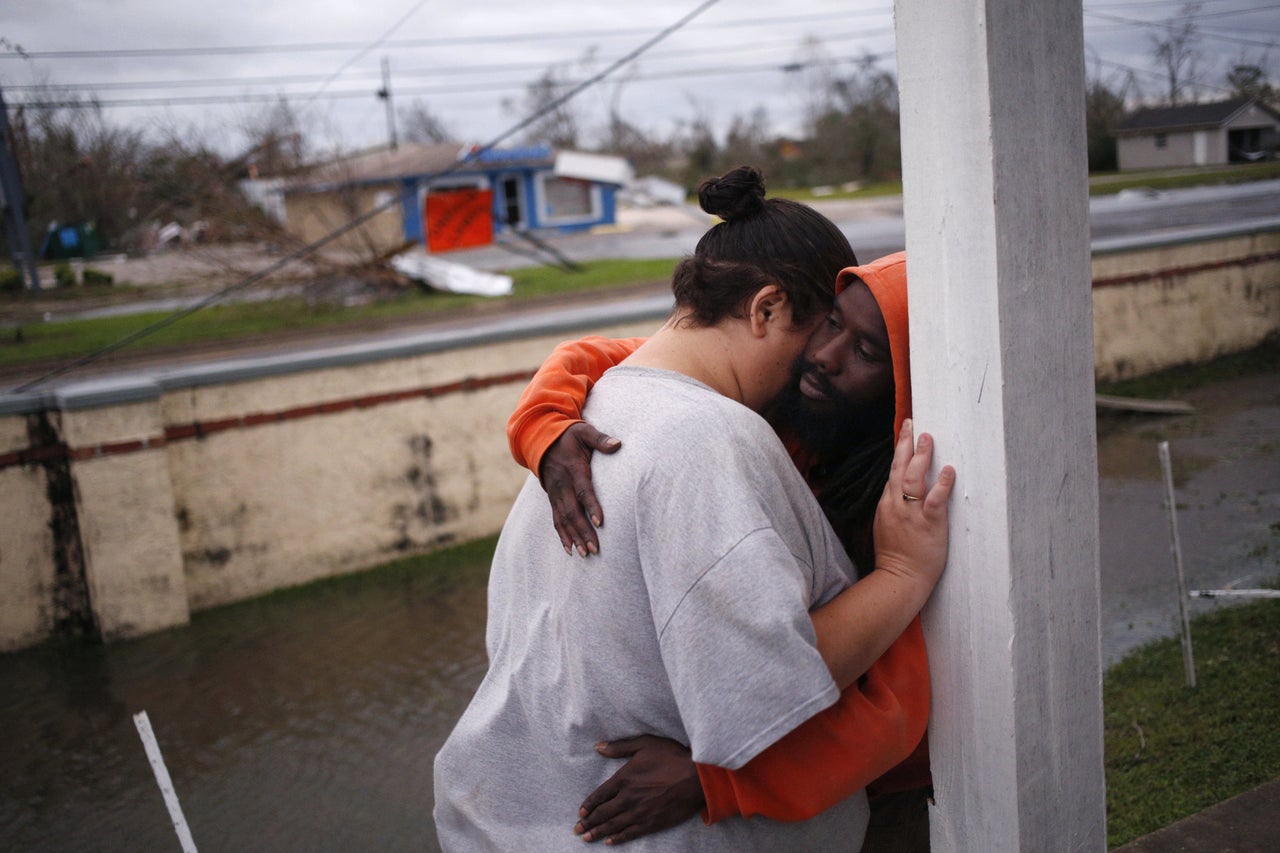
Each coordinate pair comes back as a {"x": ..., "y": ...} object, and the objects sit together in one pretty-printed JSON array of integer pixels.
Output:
[
  {"x": 613, "y": 442},
  {"x": 595, "y": 519},
  {"x": 907, "y": 425},
  {"x": 592, "y": 548},
  {"x": 577, "y": 829},
  {"x": 568, "y": 550}
]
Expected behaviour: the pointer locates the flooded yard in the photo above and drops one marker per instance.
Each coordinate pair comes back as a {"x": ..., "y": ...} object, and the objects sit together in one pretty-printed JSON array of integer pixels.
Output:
[
  {"x": 1226, "y": 466},
  {"x": 308, "y": 720}
]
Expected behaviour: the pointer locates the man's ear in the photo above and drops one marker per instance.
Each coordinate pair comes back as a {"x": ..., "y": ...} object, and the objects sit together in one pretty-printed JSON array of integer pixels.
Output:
[{"x": 769, "y": 306}]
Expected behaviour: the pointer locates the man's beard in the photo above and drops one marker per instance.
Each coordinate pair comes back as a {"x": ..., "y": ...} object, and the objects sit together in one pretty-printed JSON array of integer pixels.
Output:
[{"x": 835, "y": 427}]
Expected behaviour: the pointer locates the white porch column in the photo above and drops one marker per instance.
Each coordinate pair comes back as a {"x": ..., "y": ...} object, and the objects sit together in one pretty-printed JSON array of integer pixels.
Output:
[{"x": 1002, "y": 369}]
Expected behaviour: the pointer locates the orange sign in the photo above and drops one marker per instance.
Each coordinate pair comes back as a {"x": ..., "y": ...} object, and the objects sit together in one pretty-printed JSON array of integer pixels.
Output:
[{"x": 458, "y": 219}]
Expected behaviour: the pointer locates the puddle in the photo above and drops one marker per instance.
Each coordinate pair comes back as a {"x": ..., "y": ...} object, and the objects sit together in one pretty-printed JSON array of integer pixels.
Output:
[{"x": 1226, "y": 465}]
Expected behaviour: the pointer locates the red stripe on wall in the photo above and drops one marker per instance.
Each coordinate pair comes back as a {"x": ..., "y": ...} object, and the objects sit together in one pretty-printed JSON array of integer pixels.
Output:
[
  {"x": 116, "y": 448},
  {"x": 1192, "y": 269},
  {"x": 32, "y": 456},
  {"x": 36, "y": 455},
  {"x": 200, "y": 429}
]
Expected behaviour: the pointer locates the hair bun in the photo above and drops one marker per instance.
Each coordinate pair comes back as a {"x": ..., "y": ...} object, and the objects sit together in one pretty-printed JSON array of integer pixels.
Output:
[{"x": 736, "y": 194}]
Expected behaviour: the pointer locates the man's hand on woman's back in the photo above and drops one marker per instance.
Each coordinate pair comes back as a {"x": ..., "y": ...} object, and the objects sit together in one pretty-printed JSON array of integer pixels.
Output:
[{"x": 566, "y": 477}]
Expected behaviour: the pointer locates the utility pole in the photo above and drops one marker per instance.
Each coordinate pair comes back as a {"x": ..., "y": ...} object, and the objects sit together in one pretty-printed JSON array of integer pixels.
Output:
[
  {"x": 12, "y": 200},
  {"x": 385, "y": 94},
  {"x": 997, "y": 221}
]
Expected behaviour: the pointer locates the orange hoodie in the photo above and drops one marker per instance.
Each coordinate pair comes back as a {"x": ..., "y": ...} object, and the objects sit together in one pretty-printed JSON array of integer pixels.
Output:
[{"x": 878, "y": 721}]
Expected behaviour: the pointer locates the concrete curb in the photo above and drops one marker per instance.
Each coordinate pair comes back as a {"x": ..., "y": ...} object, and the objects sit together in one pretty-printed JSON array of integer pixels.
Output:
[{"x": 1247, "y": 823}]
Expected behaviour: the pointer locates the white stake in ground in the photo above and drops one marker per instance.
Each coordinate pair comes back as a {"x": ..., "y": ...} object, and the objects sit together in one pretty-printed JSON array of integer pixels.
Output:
[
  {"x": 162, "y": 779},
  {"x": 1236, "y": 593},
  {"x": 1175, "y": 544}
]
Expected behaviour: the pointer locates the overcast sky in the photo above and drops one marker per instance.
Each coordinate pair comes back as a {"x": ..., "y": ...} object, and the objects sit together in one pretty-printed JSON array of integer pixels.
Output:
[{"x": 204, "y": 67}]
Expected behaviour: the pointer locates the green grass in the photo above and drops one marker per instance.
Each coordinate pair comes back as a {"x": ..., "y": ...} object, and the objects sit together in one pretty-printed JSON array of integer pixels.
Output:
[
  {"x": 1171, "y": 750},
  {"x": 35, "y": 342},
  {"x": 463, "y": 564},
  {"x": 1113, "y": 182},
  {"x": 596, "y": 275}
]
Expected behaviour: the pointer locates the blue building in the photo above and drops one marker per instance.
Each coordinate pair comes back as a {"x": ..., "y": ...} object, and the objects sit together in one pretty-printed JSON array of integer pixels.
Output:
[{"x": 534, "y": 188}]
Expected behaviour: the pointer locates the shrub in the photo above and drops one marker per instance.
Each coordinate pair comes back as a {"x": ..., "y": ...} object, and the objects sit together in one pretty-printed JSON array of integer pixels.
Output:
[
  {"x": 64, "y": 275},
  {"x": 94, "y": 277},
  {"x": 11, "y": 280}
]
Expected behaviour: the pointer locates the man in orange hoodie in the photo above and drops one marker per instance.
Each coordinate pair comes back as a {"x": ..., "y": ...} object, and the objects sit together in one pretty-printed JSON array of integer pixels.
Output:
[{"x": 839, "y": 419}]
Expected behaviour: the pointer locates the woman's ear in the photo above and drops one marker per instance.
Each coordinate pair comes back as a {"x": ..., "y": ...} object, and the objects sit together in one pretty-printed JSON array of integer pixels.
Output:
[{"x": 769, "y": 307}]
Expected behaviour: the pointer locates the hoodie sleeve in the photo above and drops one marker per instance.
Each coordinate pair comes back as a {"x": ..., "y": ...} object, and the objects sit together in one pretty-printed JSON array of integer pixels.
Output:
[
  {"x": 878, "y": 723},
  {"x": 554, "y": 398}
]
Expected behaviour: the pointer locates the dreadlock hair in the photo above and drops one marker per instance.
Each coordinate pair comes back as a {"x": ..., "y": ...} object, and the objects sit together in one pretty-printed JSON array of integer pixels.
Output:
[{"x": 850, "y": 489}]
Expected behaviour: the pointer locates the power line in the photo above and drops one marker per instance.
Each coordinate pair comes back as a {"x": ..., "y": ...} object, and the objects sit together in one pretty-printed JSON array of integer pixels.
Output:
[
  {"x": 1170, "y": 27},
  {"x": 218, "y": 296},
  {"x": 458, "y": 89},
  {"x": 1230, "y": 13},
  {"x": 1149, "y": 4},
  {"x": 1174, "y": 20},
  {"x": 1173, "y": 9},
  {"x": 361, "y": 219},
  {"x": 451, "y": 71},
  {"x": 365, "y": 51},
  {"x": 1159, "y": 76},
  {"x": 440, "y": 41}
]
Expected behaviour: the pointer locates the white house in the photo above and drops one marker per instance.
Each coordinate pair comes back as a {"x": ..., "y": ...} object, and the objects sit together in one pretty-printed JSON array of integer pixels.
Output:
[{"x": 1240, "y": 130}]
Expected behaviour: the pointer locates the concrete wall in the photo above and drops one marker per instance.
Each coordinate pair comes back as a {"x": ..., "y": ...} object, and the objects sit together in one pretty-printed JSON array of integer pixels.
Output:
[
  {"x": 26, "y": 543},
  {"x": 1180, "y": 302},
  {"x": 130, "y": 502},
  {"x": 341, "y": 468}
]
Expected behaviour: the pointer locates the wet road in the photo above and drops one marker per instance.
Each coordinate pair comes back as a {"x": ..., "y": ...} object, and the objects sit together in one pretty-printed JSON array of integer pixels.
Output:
[{"x": 308, "y": 721}]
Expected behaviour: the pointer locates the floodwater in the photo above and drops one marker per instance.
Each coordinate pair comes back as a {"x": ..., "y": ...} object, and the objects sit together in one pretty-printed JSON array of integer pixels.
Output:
[
  {"x": 1226, "y": 466},
  {"x": 308, "y": 721},
  {"x": 304, "y": 722}
]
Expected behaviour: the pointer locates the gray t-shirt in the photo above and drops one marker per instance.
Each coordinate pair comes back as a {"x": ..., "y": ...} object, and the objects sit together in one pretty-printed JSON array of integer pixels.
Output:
[{"x": 692, "y": 623}]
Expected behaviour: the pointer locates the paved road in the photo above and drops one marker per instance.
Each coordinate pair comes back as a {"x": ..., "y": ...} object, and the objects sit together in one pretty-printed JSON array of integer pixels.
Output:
[
  {"x": 875, "y": 226},
  {"x": 1139, "y": 212}
]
